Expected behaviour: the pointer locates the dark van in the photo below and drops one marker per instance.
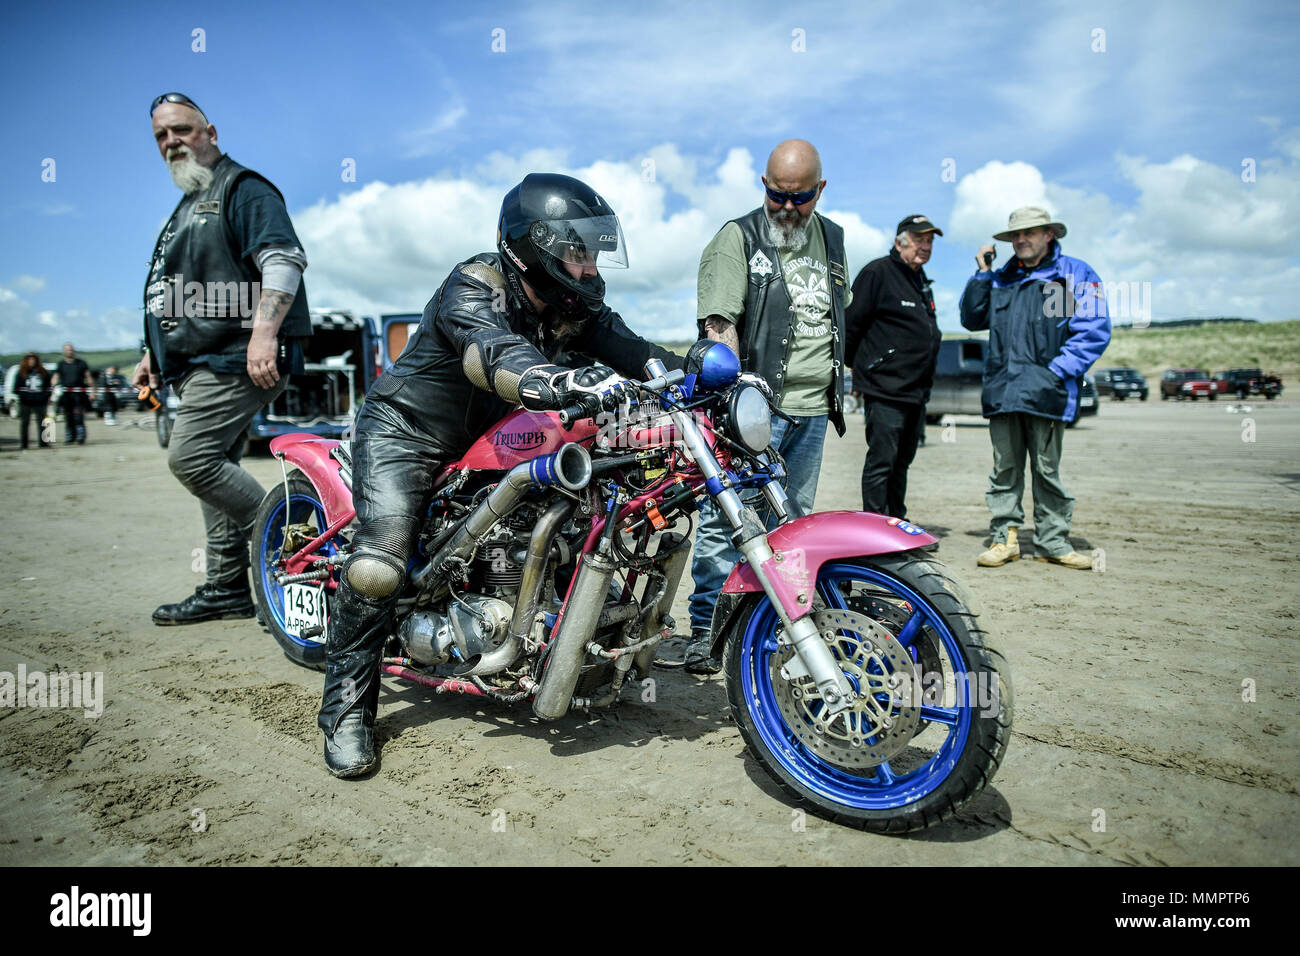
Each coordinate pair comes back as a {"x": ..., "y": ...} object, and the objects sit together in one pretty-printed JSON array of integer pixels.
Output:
[
  {"x": 343, "y": 357},
  {"x": 959, "y": 382}
]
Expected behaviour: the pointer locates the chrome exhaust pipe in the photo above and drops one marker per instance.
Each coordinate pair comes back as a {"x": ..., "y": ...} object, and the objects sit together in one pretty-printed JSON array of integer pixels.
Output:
[
  {"x": 570, "y": 468},
  {"x": 569, "y": 647},
  {"x": 530, "y": 592},
  {"x": 674, "y": 563}
]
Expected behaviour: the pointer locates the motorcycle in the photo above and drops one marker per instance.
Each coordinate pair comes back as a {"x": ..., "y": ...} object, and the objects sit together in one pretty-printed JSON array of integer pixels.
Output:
[{"x": 551, "y": 552}]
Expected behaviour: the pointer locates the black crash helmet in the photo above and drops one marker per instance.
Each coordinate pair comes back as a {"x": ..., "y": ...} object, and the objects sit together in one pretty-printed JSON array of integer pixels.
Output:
[{"x": 549, "y": 221}]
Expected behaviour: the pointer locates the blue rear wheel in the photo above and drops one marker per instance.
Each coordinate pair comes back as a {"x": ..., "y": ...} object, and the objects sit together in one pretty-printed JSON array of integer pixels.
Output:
[{"x": 933, "y": 718}]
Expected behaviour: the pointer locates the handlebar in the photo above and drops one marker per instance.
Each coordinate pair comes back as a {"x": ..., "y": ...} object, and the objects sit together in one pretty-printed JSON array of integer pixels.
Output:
[{"x": 590, "y": 405}]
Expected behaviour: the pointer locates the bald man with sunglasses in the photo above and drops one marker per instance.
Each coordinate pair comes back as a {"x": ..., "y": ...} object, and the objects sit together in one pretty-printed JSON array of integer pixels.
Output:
[{"x": 773, "y": 286}]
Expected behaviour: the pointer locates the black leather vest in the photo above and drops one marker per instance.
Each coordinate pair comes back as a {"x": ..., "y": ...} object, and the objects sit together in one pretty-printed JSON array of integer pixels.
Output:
[
  {"x": 201, "y": 296},
  {"x": 765, "y": 330}
]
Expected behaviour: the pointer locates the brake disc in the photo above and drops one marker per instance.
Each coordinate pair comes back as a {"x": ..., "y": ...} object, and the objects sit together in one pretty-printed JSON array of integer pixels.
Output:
[{"x": 886, "y": 713}]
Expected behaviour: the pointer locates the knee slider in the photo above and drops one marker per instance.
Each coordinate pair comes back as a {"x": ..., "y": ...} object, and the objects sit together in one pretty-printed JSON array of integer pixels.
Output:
[{"x": 374, "y": 576}]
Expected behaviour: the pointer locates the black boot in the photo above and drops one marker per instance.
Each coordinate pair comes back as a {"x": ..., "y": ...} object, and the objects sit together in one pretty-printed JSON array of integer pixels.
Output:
[
  {"x": 353, "y": 646},
  {"x": 209, "y": 602}
]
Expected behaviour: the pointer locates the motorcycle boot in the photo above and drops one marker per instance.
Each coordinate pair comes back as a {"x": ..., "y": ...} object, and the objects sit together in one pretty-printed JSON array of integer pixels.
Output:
[
  {"x": 209, "y": 602},
  {"x": 699, "y": 658},
  {"x": 1001, "y": 552},
  {"x": 354, "y": 644}
]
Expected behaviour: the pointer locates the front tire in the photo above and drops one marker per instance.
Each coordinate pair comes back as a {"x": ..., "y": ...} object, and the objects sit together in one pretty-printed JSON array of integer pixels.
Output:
[
  {"x": 952, "y": 751},
  {"x": 306, "y": 519}
]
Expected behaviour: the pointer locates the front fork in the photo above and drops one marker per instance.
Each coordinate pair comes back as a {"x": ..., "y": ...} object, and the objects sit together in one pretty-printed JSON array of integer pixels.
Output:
[{"x": 791, "y": 606}]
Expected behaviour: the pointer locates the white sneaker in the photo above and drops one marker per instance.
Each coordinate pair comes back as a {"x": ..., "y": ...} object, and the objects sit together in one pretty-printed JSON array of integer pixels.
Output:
[{"x": 110, "y": 418}]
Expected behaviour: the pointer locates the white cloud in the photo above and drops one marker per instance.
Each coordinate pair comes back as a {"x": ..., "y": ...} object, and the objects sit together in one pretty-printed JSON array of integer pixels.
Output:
[
  {"x": 28, "y": 284},
  {"x": 23, "y": 327},
  {"x": 1208, "y": 242},
  {"x": 387, "y": 248},
  {"x": 430, "y": 139}
]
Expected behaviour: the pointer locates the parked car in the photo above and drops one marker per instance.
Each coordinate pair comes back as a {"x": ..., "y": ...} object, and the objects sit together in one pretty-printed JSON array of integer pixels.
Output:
[
  {"x": 1121, "y": 383},
  {"x": 959, "y": 383},
  {"x": 11, "y": 390},
  {"x": 1193, "y": 383},
  {"x": 1244, "y": 382},
  {"x": 1088, "y": 403},
  {"x": 397, "y": 330},
  {"x": 958, "y": 379},
  {"x": 340, "y": 363}
]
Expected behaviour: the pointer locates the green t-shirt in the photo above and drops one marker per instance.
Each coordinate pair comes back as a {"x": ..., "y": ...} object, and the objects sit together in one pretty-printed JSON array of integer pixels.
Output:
[{"x": 723, "y": 281}]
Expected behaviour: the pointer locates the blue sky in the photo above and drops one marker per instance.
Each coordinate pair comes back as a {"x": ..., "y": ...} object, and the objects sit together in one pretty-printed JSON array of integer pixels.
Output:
[{"x": 960, "y": 111}]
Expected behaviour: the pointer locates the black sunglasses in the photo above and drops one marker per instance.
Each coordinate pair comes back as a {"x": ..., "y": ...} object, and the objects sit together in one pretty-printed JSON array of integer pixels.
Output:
[
  {"x": 180, "y": 98},
  {"x": 797, "y": 198}
]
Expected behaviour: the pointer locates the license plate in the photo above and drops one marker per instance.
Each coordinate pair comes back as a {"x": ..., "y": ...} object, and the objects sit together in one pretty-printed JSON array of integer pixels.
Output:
[
  {"x": 304, "y": 607},
  {"x": 1086, "y": 402}
]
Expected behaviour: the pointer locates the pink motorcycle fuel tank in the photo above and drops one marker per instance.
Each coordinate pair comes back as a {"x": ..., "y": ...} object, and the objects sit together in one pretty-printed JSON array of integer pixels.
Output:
[{"x": 522, "y": 436}]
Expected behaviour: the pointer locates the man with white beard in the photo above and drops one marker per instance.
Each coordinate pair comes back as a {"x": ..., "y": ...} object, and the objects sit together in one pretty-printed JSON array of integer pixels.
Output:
[
  {"x": 773, "y": 286},
  {"x": 225, "y": 310}
]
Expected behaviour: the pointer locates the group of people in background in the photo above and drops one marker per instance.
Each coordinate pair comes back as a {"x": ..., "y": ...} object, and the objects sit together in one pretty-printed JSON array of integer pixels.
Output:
[
  {"x": 35, "y": 384},
  {"x": 772, "y": 285}
]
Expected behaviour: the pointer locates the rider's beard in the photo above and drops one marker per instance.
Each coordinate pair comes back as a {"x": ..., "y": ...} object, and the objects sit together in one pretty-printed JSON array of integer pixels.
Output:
[
  {"x": 787, "y": 229},
  {"x": 186, "y": 172}
]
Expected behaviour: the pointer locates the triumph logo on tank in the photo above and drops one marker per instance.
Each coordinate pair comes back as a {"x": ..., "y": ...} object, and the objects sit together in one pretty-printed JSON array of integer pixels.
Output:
[
  {"x": 519, "y": 441},
  {"x": 171, "y": 297},
  {"x": 59, "y": 689}
]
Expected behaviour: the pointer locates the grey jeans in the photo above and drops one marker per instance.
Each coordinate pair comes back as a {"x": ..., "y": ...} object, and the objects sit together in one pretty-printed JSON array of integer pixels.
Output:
[
  {"x": 1014, "y": 436},
  {"x": 206, "y": 445}
]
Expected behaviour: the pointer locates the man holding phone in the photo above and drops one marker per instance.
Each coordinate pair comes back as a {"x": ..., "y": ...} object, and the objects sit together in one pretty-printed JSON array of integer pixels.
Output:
[{"x": 1048, "y": 323}]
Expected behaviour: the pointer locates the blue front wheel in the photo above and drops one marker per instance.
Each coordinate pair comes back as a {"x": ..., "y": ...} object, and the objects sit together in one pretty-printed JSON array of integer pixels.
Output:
[{"x": 932, "y": 715}]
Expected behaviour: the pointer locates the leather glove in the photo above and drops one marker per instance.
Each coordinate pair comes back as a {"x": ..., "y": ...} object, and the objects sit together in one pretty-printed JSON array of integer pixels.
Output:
[
  {"x": 596, "y": 385},
  {"x": 750, "y": 378}
]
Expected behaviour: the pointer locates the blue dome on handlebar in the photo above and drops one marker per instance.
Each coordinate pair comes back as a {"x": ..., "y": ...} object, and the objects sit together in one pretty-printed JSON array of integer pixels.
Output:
[{"x": 714, "y": 364}]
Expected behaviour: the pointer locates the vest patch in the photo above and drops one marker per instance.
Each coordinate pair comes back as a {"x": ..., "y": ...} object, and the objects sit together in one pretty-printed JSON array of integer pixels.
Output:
[
  {"x": 759, "y": 264},
  {"x": 211, "y": 205}
]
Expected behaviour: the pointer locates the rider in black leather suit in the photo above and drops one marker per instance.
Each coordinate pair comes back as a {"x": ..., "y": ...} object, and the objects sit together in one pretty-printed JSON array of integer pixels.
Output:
[{"x": 482, "y": 347}]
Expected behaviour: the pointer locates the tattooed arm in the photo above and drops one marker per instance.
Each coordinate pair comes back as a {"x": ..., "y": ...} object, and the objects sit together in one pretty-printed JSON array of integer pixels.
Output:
[
  {"x": 723, "y": 330},
  {"x": 264, "y": 347}
]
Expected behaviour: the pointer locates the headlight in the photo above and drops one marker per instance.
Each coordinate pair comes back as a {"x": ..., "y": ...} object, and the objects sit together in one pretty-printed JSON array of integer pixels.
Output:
[{"x": 749, "y": 420}]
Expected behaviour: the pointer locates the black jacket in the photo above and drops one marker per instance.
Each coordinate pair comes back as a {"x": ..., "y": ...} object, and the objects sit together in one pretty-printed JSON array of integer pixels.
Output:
[
  {"x": 893, "y": 308},
  {"x": 460, "y": 370},
  {"x": 203, "y": 286}
]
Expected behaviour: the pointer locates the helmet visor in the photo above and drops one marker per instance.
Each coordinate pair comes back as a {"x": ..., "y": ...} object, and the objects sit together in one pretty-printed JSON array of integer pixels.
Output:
[{"x": 597, "y": 240}]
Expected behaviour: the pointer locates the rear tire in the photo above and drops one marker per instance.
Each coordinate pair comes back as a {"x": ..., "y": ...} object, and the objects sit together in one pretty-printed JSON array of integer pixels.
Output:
[
  {"x": 960, "y": 740},
  {"x": 265, "y": 557}
]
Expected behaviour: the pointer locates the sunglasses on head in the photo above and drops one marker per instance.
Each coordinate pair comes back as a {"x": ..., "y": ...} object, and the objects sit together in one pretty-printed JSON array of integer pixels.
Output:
[
  {"x": 797, "y": 198},
  {"x": 180, "y": 98}
]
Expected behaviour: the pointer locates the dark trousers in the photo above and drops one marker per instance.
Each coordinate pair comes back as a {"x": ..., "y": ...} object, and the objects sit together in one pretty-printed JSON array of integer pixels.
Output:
[
  {"x": 74, "y": 410},
  {"x": 892, "y": 432},
  {"x": 26, "y": 414}
]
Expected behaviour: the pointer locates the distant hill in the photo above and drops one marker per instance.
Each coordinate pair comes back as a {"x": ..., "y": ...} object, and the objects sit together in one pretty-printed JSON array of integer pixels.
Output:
[{"x": 1212, "y": 344}]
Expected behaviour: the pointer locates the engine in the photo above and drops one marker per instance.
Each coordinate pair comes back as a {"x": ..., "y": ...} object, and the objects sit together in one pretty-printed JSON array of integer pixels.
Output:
[
  {"x": 472, "y": 626},
  {"x": 498, "y": 561}
]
